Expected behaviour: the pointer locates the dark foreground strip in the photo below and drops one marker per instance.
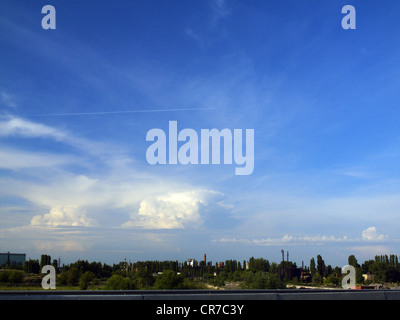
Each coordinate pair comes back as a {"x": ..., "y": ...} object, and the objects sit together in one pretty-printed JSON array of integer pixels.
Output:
[
  {"x": 181, "y": 295},
  {"x": 199, "y": 304}
]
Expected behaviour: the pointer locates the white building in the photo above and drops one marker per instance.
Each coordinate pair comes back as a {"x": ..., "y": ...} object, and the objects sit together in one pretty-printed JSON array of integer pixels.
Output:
[{"x": 191, "y": 262}]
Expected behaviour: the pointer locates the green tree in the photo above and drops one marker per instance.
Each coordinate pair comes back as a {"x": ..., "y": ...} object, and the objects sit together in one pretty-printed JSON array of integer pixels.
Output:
[
  {"x": 55, "y": 265},
  {"x": 118, "y": 282},
  {"x": 273, "y": 268},
  {"x": 72, "y": 278},
  {"x": 312, "y": 267},
  {"x": 220, "y": 279},
  {"x": 352, "y": 261},
  {"x": 15, "y": 276},
  {"x": 258, "y": 264},
  {"x": 320, "y": 266},
  {"x": 85, "y": 280},
  {"x": 32, "y": 266},
  {"x": 44, "y": 260},
  {"x": 4, "y": 276},
  {"x": 328, "y": 270},
  {"x": 11, "y": 276},
  {"x": 62, "y": 278},
  {"x": 143, "y": 278},
  {"x": 332, "y": 280},
  {"x": 262, "y": 280},
  {"x": 169, "y": 280},
  {"x": 317, "y": 279}
]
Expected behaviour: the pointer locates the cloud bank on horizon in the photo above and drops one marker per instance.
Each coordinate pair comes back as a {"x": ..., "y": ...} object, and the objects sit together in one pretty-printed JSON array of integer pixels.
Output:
[{"x": 76, "y": 104}]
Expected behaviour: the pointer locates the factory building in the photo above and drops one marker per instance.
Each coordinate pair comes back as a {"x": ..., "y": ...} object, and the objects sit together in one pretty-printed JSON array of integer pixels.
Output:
[
  {"x": 191, "y": 262},
  {"x": 12, "y": 259}
]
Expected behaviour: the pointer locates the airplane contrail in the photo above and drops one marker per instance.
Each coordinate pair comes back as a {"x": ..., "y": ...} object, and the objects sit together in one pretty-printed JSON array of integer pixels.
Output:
[{"x": 116, "y": 112}]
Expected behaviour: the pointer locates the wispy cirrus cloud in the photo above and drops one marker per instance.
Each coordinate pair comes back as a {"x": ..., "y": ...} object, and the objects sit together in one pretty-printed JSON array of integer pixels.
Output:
[
  {"x": 196, "y": 37},
  {"x": 8, "y": 100},
  {"x": 14, "y": 126},
  {"x": 368, "y": 234},
  {"x": 220, "y": 10},
  {"x": 14, "y": 159},
  {"x": 285, "y": 240}
]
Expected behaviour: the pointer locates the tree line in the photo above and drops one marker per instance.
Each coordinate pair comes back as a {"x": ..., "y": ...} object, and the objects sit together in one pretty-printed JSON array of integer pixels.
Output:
[{"x": 256, "y": 273}]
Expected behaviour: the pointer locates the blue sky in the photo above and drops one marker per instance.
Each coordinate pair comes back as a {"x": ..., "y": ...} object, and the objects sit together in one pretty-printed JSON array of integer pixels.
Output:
[{"x": 323, "y": 103}]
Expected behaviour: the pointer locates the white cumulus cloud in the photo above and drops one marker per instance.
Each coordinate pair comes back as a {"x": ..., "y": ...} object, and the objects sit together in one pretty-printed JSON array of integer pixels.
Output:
[
  {"x": 64, "y": 216},
  {"x": 371, "y": 234},
  {"x": 171, "y": 211}
]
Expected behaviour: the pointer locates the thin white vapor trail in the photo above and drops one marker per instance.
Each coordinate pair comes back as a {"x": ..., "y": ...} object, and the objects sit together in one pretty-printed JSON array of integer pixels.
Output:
[{"x": 115, "y": 112}]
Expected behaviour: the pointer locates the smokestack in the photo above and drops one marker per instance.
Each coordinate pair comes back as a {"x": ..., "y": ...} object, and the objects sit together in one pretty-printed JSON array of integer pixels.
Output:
[{"x": 205, "y": 260}]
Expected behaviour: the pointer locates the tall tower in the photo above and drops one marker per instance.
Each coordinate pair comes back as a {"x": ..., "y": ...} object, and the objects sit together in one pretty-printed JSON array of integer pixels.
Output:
[{"x": 205, "y": 259}]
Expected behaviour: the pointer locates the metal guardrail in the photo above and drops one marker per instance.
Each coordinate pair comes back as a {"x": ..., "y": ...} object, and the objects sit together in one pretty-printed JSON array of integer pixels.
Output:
[{"x": 209, "y": 295}]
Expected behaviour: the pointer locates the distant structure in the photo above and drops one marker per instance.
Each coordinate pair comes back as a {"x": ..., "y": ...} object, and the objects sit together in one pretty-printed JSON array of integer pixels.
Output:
[
  {"x": 194, "y": 263},
  {"x": 289, "y": 271},
  {"x": 12, "y": 259},
  {"x": 191, "y": 262},
  {"x": 207, "y": 263}
]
